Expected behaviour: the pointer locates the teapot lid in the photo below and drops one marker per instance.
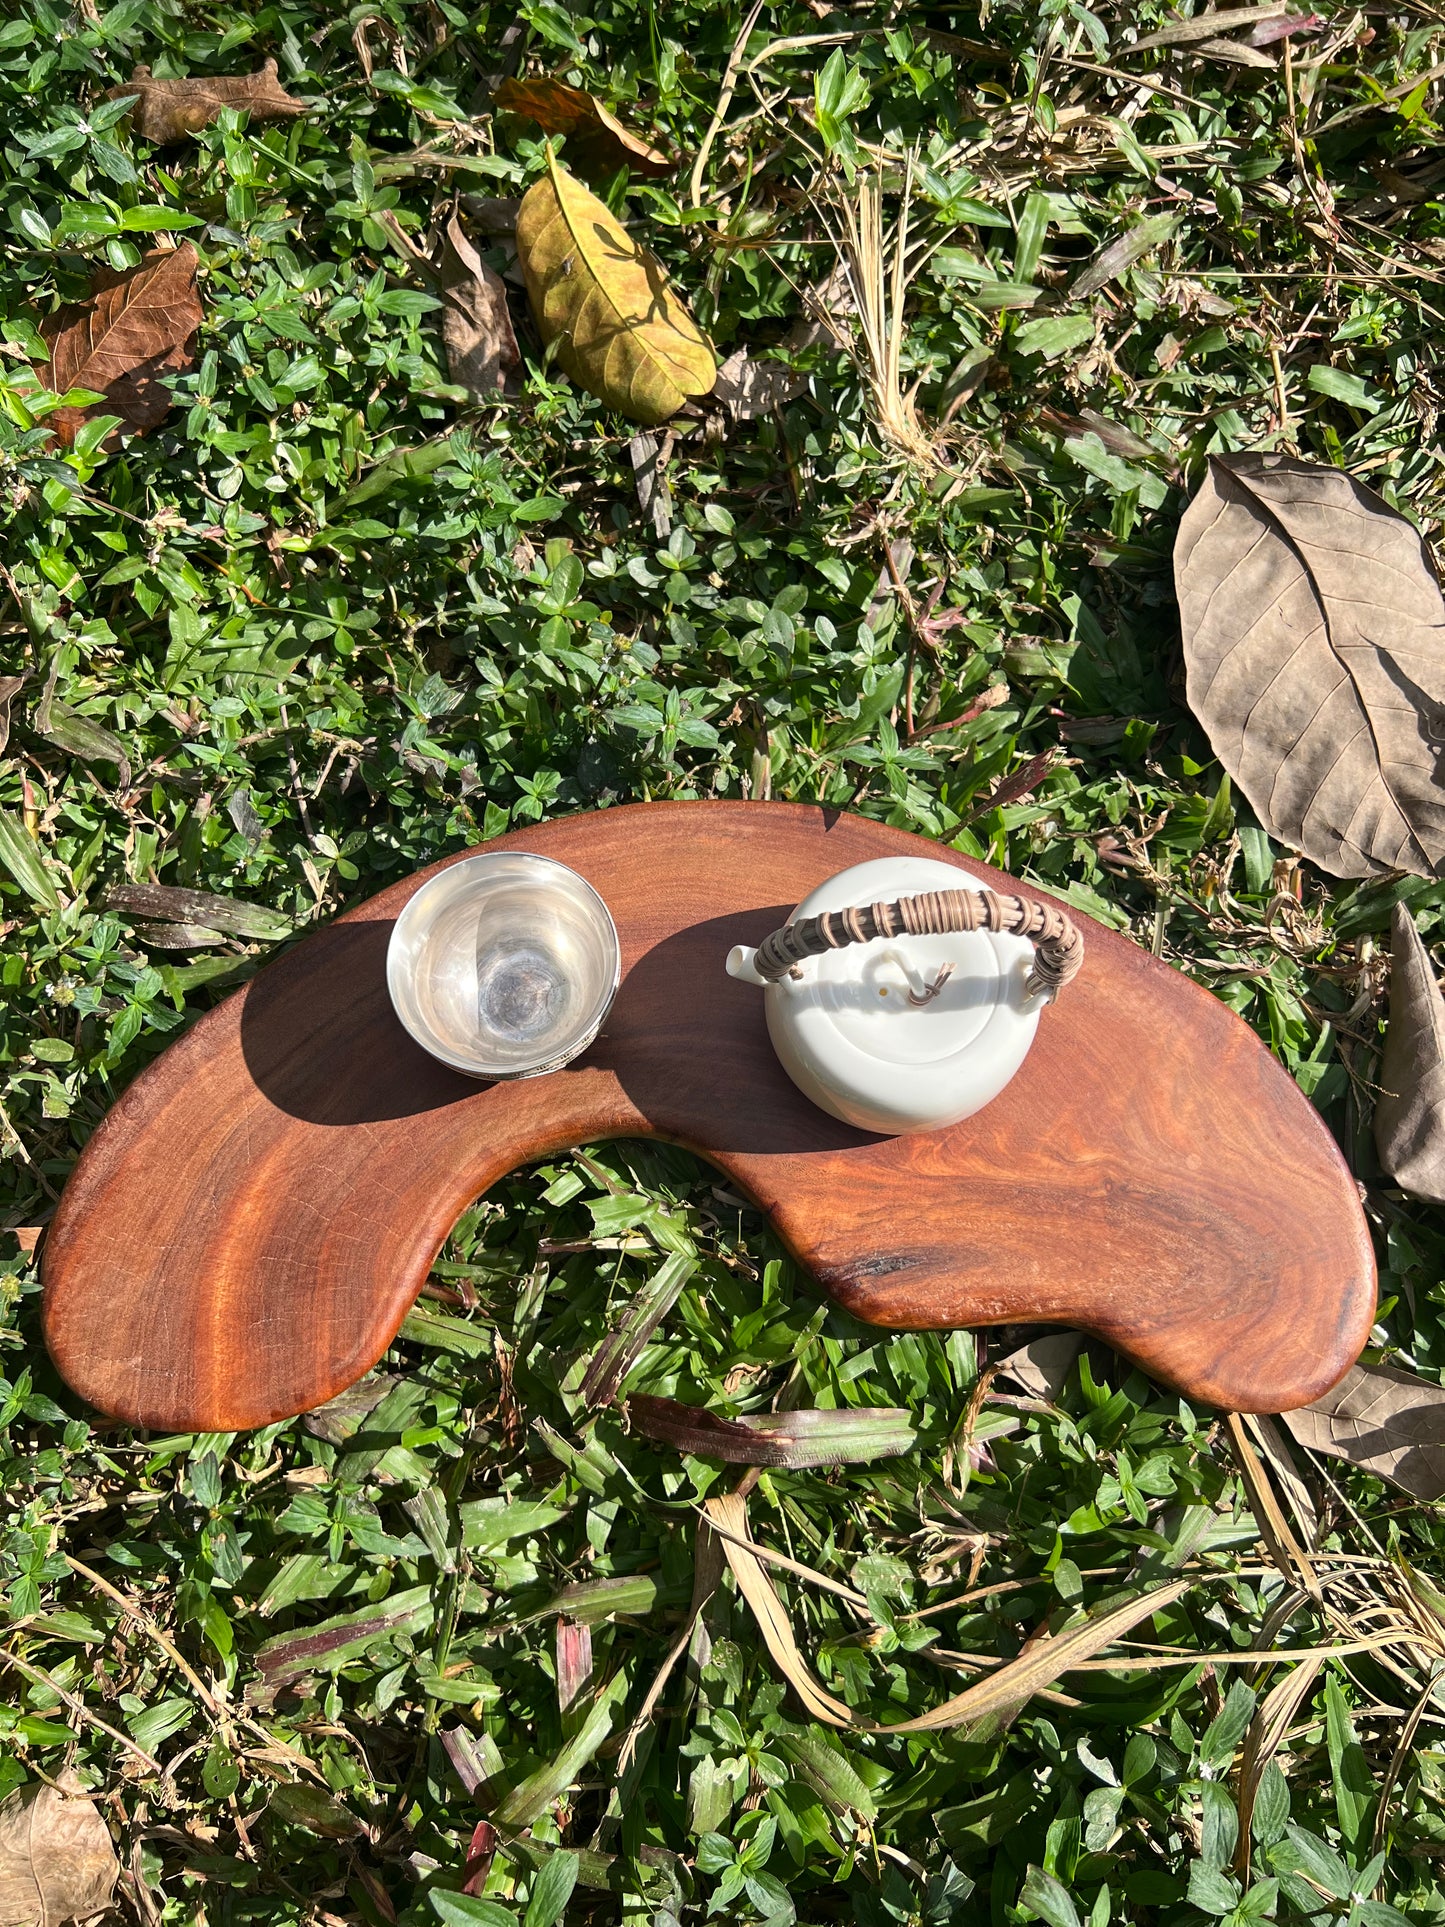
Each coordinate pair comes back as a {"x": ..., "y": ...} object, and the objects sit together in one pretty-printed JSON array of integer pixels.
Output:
[{"x": 907, "y": 1035}]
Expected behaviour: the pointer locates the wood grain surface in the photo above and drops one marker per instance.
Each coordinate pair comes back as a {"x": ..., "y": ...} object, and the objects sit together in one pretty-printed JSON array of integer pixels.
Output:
[{"x": 251, "y": 1222}]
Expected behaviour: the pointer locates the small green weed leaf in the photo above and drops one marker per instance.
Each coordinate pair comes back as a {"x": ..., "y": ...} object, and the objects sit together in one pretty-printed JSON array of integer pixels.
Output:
[
  {"x": 1354, "y": 1783},
  {"x": 1228, "y": 1727},
  {"x": 1052, "y": 336},
  {"x": 307, "y": 1806},
  {"x": 220, "y": 1775},
  {"x": 1211, "y": 1891},
  {"x": 1049, "y": 1899},
  {"x": 551, "y": 1890},
  {"x": 469, "y": 1910},
  {"x": 1340, "y": 386},
  {"x": 22, "y": 858}
]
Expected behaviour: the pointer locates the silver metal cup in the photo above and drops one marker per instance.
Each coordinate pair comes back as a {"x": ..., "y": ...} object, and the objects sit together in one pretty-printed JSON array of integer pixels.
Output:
[{"x": 504, "y": 965}]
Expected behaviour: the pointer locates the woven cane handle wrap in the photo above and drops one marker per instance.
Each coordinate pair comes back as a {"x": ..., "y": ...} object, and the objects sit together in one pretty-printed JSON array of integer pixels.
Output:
[{"x": 1058, "y": 941}]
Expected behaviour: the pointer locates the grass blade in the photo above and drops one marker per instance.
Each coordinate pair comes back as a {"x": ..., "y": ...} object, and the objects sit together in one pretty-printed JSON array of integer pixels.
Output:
[
  {"x": 621, "y": 1349},
  {"x": 797, "y": 1439}
]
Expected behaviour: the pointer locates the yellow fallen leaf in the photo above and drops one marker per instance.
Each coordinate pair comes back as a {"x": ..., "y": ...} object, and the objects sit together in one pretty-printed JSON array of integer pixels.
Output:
[{"x": 620, "y": 330}]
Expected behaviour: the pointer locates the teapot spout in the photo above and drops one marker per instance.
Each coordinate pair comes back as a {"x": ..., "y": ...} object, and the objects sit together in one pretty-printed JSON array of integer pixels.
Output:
[{"x": 741, "y": 965}]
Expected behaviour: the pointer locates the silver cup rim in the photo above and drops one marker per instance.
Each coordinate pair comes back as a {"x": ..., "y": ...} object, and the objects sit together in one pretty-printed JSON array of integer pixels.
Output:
[{"x": 411, "y": 914}]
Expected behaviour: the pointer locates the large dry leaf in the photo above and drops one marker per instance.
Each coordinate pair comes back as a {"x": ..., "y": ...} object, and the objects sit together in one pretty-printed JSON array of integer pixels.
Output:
[
  {"x": 1384, "y": 1421},
  {"x": 1314, "y": 645},
  {"x": 998, "y": 1696},
  {"x": 1410, "y": 1111},
  {"x": 604, "y": 300},
  {"x": 597, "y": 142},
  {"x": 136, "y": 328},
  {"x": 476, "y": 321},
  {"x": 56, "y": 1859},
  {"x": 169, "y": 110}
]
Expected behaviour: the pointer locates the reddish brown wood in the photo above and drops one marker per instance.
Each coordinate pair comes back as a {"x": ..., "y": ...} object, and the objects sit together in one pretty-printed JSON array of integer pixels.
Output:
[{"x": 250, "y": 1224}]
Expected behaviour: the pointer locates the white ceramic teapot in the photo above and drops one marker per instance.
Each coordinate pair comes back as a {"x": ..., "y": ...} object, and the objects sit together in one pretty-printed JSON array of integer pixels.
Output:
[{"x": 903, "y": 995}]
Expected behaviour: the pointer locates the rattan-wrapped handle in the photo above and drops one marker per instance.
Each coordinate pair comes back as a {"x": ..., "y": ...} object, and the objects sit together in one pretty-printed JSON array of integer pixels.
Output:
[{"x": 1058, "y": 941}]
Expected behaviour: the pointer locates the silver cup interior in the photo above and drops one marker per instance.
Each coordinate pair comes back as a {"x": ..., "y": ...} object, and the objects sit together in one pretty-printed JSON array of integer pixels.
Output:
[{"x": 504, "y": 965}]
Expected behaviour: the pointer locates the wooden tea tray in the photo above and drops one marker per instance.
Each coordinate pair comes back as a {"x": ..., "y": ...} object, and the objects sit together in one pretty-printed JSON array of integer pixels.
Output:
[{"x": 251, "y": 1222}]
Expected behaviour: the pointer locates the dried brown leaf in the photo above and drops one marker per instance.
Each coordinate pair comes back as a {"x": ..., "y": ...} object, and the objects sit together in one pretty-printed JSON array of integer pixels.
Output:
[
  {"x": 1123, "y": 252},
  {"x": 1235, "y": 52},
  {"x": 477, "y": 328},
  {"x": 707, "y": 1571},
  {"x": 492, "y": 214},
  {"x": 1385, "y": 1421},
  {"x": 135, "y": 328},
  {"x": 747, "y": 388},
  {"x": 1267, "y": 1729},
  {"x": 597, "y": 142},
  {"x": 1042, "y": 1367},
  {"x": 1115, "y": 437},
  {"x": 649, "y": 466},
  {"x": 1276, "y": 1454},
  {"x": 1410, "y": 1110},
  {"x": 178, "y": 936},
  {"x": 1314, "y": 648},
  {"x": 481, "y": 1851},
  {"x": 340, "y": 1417},
  {"x": 56, "y": 1858},
  {"x": 76, "y": 734},
  {"x": 825, "y": 317},
  {"x": 1274, "y": 1528},
  {"x": 171, "y": 110}
]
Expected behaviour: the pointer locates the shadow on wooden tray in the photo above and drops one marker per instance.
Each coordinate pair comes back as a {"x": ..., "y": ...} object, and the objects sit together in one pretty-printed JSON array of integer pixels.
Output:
[{"x": 686, "y": 1045}]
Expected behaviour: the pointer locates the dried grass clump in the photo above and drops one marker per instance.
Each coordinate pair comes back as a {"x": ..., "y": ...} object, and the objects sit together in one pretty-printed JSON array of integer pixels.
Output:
[{"x": 879, "y": 268}]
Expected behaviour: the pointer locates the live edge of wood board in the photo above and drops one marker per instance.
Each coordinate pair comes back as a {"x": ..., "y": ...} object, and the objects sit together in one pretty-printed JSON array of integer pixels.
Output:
[{"x": 248, "y": 1227}]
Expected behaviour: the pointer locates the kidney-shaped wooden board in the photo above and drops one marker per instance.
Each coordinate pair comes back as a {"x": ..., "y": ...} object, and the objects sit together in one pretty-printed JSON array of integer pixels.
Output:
[{"x": 250, "y": 1224}]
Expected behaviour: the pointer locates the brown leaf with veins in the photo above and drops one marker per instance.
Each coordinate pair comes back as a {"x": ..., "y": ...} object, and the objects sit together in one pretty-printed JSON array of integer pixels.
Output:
[
  {"x": 1410, "y": 1110},
  {"x": 170, "y": 110},
  {"x": 56, "y": 1858},
  {"x": 1385, "y": 1421},
  {"x": 1314, "y": 651},
  {"x": 135, "y": 328},
  {"x": 747, "y": 388},
  {"x": 597, "y": 142},
  {"x": 476, "y": 321}
]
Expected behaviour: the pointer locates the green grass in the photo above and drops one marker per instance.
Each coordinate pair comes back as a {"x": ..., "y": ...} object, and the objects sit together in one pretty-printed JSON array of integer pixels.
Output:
[{"x": 329, "y": 661}]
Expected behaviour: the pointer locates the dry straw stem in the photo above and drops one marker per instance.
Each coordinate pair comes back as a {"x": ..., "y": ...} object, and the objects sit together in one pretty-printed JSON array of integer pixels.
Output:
[
  {"x": 1000, "y": 1695},
  {"x": 39, "y": 1677},
  {"x": 1284, "y": 1548},
  {"x": 880, "y": 270}
]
